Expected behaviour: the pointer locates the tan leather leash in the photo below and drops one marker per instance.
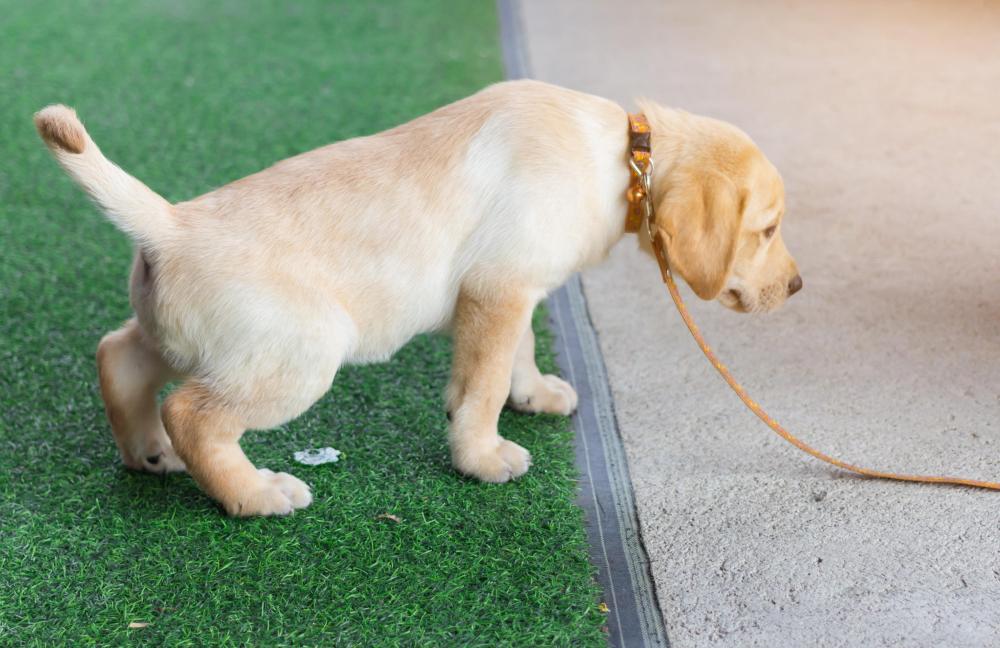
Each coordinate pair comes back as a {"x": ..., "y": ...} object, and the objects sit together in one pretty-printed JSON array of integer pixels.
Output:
[{"x": 641, "y": 210}]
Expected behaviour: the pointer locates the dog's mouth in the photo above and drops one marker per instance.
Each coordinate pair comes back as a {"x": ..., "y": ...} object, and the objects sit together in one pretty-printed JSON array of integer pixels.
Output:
[
  {"x": 770, "y": 299},
  {"x": 733, "y": 299}
]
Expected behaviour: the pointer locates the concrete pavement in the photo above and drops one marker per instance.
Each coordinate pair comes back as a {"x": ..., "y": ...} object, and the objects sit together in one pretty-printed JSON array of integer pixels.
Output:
[{"x": 884, "y": 121}]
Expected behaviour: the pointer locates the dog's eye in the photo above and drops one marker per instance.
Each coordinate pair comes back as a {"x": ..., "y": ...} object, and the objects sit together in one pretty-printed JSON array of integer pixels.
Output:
[{"x": 769, "y": 232}]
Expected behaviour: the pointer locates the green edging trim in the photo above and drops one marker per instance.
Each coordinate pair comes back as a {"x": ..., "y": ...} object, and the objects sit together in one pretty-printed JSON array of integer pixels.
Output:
[{"x": 190, "y": 95}]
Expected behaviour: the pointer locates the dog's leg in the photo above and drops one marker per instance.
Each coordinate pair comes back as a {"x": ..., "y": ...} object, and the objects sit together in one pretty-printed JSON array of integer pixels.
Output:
[
  {"x": 206, "y": 434},
  {"x": 132, "y": 373},
  {"x": 530, "y": 391},
  {"x": 486, "y": 335}
]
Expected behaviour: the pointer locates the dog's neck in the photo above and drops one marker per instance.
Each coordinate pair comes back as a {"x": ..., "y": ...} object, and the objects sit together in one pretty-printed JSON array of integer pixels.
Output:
[
  {"x": 610, "y": 144},
  {"x": 668, "y": 130}
]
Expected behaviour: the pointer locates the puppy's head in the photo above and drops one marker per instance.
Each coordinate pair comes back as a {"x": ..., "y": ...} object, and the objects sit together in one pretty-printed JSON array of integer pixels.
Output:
[{"x": 719, "y": 205}]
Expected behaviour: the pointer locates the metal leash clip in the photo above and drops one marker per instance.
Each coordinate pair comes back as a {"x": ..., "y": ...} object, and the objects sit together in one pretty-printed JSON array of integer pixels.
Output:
[{"x": 644, "y": 173}]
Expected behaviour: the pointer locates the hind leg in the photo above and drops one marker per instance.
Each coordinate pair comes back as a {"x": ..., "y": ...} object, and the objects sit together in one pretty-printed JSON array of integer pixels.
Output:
[
  {"x": 132, "y": 373},
  {"x": 206, "y": 433}
]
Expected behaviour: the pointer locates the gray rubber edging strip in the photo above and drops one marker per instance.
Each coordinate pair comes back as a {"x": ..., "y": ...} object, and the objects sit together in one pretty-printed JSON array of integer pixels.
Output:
[{"x": 606, "y": 496}]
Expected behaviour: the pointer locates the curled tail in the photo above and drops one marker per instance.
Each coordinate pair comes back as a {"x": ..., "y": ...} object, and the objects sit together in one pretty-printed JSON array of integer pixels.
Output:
[{"x": 132, "y": 206}]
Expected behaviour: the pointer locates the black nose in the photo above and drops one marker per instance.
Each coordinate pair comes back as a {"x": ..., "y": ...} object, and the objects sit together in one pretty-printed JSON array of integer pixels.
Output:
[{"x": 795, "y": 285}]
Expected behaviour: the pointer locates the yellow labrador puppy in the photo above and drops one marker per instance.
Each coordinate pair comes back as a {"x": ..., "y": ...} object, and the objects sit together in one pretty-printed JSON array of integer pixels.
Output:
[{"x": 254, "y": 294}]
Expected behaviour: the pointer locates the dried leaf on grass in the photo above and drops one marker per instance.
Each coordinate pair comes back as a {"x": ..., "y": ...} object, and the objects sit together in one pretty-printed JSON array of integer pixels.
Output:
[{"x": 388, "y": 516}]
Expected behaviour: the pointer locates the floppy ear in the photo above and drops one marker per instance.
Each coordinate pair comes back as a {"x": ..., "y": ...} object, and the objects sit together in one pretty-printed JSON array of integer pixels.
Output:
[{"x": 700, "y": 217}]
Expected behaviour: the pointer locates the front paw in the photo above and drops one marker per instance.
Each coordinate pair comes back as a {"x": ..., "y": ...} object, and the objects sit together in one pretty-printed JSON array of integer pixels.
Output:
[
  {"x": 273, "y": 494},
  {"x": 494, "y": 464},
  {"x": 548, "y": 394}
]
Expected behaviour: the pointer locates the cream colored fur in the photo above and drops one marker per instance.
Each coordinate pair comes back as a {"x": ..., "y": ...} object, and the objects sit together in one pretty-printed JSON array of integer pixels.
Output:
[{"x": 461, "y": 220}]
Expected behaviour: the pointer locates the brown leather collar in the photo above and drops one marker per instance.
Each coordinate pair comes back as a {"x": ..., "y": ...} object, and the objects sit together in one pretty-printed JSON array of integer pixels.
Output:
[{"x": 640, "y": 204}]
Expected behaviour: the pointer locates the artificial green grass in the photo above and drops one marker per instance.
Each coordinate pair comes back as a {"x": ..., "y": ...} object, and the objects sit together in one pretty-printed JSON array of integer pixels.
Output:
[{"x": 187, "y": 96}]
